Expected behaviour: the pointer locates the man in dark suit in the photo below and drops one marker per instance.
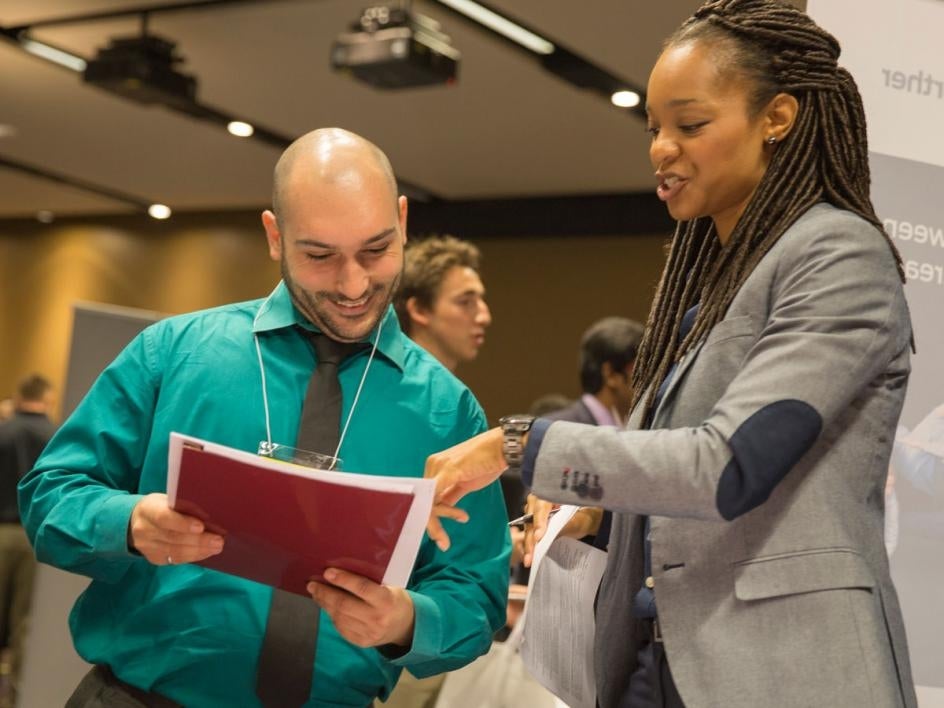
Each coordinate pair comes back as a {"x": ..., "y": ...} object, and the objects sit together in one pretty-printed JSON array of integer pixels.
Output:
[
  {"x": 22, "y": 439},
  {"x": 607, "y": 353}
]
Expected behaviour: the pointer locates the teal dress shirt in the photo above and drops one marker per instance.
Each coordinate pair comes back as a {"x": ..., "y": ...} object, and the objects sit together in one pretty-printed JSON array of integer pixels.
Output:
[{"x": 194, "y": 634}]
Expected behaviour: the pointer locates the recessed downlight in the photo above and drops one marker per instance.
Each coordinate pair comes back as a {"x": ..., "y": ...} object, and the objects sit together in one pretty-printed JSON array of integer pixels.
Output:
[
  {"x": 159, "y": 211},
  {"x": 625, "y": 99},
  {"x": 240, "y": 129}
]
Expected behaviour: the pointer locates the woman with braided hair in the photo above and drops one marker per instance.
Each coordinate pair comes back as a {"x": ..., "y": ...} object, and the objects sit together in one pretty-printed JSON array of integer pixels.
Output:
[{"x": 746, "y": 560}]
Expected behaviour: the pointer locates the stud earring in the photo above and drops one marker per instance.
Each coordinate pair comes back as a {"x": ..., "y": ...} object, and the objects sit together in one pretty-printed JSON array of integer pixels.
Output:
[{"x": 771, "y": 140}]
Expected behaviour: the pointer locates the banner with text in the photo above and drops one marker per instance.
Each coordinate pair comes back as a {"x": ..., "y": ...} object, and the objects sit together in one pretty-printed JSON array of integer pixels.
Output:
[{"x": 893, "y": 52}]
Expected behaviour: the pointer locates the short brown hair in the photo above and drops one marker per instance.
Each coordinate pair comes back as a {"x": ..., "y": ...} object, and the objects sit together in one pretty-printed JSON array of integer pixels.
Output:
[
  {"x": 425, "y": 267},
  {"x": 33, "y": 388}
]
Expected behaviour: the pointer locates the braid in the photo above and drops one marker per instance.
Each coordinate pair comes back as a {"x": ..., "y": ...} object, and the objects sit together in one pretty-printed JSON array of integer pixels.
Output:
[{"x": 824, "y": 158}]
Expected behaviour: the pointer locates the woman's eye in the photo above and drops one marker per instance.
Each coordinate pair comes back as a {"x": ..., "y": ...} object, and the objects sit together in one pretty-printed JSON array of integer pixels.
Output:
[
  {"x": 692, "y": 127},
  {"x": 652, "y": 130}
]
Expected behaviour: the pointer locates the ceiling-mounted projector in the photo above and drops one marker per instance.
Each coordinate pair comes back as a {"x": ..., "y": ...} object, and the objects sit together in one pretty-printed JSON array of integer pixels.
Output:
[
  {"x": 390, "y": 48},
  {"x": 142, "y": 68}
]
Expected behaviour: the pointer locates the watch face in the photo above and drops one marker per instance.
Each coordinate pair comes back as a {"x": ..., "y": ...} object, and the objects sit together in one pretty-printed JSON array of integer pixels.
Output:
[{"x": 521, "y": 423}]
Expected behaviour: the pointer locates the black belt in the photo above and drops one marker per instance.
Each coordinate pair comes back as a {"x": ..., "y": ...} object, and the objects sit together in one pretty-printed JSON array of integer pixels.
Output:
[{"x": 148, "y": 698}]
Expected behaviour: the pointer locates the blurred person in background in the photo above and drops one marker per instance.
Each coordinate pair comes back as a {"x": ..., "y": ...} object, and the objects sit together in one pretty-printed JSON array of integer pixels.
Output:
[
  {"x": 441, "y": 306},
  {"x": 441, "y": 299},
  {"x": 22, "y": 439}
]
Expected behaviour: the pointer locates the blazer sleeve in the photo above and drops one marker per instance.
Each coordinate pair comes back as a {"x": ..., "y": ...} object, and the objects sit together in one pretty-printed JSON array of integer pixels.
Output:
[{"x": 836, "y": 321}]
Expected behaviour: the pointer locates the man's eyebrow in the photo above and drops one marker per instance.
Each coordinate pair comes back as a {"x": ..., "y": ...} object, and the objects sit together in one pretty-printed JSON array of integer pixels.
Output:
[
  {"x": 381, "y": 236},
  {"x": 313, "y": 243},
  {"x": 471, "y": 291}
]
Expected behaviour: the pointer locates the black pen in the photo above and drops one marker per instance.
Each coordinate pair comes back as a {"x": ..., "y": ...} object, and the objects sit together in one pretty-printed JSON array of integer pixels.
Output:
[{"x": 529, "y": 518}]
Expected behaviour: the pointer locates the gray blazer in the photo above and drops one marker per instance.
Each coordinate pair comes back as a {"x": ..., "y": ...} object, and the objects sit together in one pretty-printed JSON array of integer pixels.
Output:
[{"x": 764, "y": 476}]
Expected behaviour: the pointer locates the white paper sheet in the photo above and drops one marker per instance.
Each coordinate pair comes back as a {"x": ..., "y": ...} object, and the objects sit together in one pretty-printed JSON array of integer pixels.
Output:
[{"x": 559, "y": 623}]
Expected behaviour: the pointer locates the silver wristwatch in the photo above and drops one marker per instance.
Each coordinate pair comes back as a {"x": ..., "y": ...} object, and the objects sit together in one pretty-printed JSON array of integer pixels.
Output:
[{"x": 513, "y": 429}]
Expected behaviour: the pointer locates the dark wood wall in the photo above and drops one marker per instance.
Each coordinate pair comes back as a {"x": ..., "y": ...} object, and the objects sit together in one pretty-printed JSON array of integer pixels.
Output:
[{"x": 543, "y": 291}]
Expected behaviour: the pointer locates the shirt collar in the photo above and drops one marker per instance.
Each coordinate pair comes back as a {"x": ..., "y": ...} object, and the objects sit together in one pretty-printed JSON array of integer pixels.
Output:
[
  {"x": 278, "y": 312},
  {"x": 601, "y": 414}
]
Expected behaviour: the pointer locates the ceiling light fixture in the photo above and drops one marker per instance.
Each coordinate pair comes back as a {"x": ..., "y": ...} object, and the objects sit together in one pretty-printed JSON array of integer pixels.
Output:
[
  {"x": 505, "y": 27},
  {"x": 159, "y": 211},
  {"x": 625, "y": 99},
  {"x": 240, "y": 129},
  {"x": 553, "y": 57},
  {"x": 44, "y": 216},
  {"x": 142, "y": 68},
  {"x": 53, "y": 54}
]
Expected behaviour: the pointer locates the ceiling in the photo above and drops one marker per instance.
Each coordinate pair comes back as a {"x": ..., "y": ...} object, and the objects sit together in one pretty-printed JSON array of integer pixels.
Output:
[{"x": 507, "y": 129}]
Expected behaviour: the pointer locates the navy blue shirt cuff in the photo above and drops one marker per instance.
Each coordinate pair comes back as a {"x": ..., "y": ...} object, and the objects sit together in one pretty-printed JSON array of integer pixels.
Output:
[{"x": 535, "y": 438}]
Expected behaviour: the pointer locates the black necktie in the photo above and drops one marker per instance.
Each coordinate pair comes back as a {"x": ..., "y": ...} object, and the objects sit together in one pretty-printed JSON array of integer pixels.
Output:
[{"x": 286, "y": 662}]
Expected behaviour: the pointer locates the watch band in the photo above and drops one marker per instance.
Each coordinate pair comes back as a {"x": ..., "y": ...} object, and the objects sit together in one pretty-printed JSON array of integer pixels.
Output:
[{"x": 513, "y": 429}]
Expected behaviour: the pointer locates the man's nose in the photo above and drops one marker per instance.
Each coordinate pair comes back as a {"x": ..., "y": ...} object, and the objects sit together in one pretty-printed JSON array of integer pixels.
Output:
[
  {"x": 484, "y": 316},
  {"x": 353, "y": 280}
]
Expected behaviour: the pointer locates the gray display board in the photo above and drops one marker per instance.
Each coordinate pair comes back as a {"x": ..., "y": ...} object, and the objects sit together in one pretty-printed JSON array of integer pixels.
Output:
[{"x": 51, "y": 668}]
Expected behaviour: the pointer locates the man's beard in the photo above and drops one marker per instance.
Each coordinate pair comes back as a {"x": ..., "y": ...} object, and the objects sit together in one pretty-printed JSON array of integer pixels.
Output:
[{"x": 310, "y": 305}]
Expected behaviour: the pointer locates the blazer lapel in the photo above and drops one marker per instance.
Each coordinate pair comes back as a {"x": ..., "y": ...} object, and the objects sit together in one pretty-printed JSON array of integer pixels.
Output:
[{"x": 680, "y": 370}]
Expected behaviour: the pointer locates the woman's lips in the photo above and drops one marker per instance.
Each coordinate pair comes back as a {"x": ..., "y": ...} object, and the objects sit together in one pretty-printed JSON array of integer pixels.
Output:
[{"x": 669, "y": 187}]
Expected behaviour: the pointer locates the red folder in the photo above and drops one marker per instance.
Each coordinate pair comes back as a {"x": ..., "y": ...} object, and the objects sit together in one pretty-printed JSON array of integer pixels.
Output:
[{"x": 285, "y": 528}]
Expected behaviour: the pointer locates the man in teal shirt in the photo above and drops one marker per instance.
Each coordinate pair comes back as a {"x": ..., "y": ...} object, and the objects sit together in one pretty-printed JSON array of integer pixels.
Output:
[{"x": 95, "y": 503}]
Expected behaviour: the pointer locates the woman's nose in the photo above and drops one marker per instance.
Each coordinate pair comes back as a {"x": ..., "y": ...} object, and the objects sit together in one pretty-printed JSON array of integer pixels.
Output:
[{"x": 662, "y": 151}]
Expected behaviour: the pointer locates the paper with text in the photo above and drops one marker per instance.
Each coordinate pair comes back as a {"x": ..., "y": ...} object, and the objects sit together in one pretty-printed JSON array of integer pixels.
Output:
[{"x": 559, "y": 622}]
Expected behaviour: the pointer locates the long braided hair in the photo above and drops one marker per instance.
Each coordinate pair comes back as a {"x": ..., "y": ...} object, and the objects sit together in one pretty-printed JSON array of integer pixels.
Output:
[{"x": 824, "y": 158}]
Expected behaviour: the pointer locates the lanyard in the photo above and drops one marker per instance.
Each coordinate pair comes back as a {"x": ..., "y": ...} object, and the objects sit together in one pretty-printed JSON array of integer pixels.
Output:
[{"x": 265, "y": 395}]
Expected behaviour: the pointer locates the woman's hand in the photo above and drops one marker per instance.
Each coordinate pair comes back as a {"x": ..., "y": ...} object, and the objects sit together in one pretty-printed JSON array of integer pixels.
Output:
[
  {"x": 461, "y": 469},
  {"x": 584, "y": 522}
]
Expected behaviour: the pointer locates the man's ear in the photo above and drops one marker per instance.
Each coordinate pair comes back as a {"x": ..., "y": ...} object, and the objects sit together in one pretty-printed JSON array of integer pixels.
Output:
[
  {"x": 614, "y": 377},
  {"x": 606, "y": 373},
  {"x": 402, "y": 204},
  {"x": 273, "y": 235},
  {"x": 418, "y": 314}
]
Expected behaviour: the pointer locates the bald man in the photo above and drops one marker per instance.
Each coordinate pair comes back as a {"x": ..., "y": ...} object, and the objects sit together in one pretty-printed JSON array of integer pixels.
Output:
[{"x": 163, "y": 631}]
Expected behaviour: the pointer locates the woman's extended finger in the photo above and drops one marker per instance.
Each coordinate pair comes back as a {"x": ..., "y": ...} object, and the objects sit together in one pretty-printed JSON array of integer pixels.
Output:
[
  {"x": 437, "y": 533},
  {"x": 451, "y": 512}
]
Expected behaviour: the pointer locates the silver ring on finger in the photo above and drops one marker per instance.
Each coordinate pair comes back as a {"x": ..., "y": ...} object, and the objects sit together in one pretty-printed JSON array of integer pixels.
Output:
[{"x": 170, "y": 560}]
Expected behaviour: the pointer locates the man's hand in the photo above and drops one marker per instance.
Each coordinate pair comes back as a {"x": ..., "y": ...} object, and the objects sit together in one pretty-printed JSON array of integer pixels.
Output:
[
  {"x": 461, "y": 469},
  {"x": 165, "y": 537},
  {"x": 365, "y": 613}
]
